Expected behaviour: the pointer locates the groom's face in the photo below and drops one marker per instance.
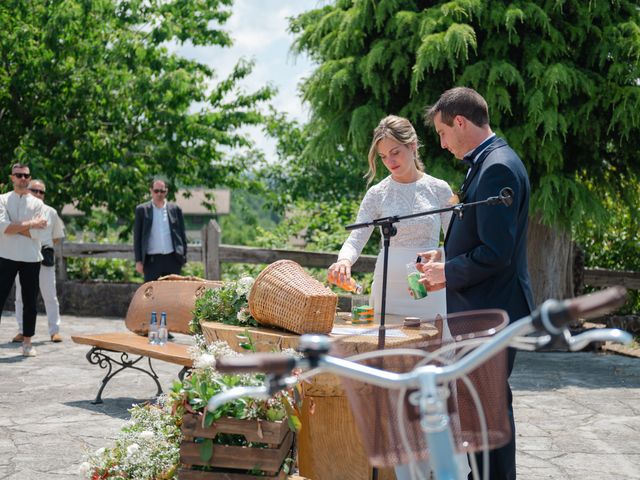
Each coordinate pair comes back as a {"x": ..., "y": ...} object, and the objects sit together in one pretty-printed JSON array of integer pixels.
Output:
[{"x": 451, "y": 136}]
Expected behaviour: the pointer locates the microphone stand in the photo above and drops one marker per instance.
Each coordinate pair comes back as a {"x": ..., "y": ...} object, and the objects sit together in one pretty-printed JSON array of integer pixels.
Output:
[{"x": 388, "y": 229}]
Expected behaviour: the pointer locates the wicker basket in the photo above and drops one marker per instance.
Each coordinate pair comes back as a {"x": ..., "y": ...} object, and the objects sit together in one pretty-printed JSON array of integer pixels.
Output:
[
  {"x": 285, "y": 296},
  {"x": 172, "y": 294}
]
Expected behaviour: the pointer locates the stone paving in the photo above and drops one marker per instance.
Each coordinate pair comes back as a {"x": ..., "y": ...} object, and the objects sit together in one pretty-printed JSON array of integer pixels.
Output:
[{"x": 577, "y": 415}]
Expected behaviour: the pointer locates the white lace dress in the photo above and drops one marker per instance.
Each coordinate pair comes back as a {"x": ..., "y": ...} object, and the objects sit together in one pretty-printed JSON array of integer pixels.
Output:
[{"x": 414, "y": 235}]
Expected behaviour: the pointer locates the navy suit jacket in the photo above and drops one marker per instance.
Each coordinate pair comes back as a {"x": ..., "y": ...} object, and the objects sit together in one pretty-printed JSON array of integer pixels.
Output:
[
  {"x": 142, "y": 230},
  {"x": 486, "y": 250}
]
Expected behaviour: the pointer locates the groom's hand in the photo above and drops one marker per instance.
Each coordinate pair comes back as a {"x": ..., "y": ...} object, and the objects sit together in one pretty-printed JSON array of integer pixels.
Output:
[
  {"x": 433, "y": 276},
  {"x": 430, "y": 256}
]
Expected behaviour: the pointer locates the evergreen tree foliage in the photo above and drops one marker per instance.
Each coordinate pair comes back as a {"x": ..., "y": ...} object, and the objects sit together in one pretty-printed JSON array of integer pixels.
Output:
[
  {"x": 560, "y": 77},
  {"x": 94, "y": 100}
]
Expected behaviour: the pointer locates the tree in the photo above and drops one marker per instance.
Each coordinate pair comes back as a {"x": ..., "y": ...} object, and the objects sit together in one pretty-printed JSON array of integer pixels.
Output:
[
  {"x": 560, "y": 77},
  {"x": 93, "y": 99}
]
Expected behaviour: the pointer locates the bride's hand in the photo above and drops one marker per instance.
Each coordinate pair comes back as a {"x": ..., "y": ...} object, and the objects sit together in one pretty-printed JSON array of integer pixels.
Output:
[{"x": 340, "y": 270}]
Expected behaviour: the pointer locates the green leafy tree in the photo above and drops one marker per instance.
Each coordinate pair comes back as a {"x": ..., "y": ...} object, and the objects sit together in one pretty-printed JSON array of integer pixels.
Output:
[
  {"x": 94, "y": 100},
  {"x": 617, "y": 246},
  {"x": 560, "y": 77}
]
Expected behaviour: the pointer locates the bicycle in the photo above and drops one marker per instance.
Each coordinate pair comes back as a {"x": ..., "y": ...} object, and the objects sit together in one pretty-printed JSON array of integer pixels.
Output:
[{"x": 433, "y": 389}]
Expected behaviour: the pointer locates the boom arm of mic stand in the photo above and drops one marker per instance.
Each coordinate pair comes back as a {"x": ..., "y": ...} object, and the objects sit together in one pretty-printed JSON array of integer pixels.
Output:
[{"x": 458, "y": 209}]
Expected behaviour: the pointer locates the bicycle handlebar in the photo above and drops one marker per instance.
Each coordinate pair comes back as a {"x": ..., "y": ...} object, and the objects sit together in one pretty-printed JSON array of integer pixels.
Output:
[
  {"x": 552, "y": 316},
  {"x": 275, "y": 363}
]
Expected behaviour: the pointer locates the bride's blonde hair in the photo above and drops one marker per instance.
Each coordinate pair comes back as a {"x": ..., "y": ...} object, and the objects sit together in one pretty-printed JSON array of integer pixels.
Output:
[{"x": 400, "y": 130}]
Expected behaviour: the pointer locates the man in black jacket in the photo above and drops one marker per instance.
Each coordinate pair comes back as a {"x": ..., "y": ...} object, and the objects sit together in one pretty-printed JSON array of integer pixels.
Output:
[
  {"x": 159, "y": 239},
  {"x": 486, "y": 249}
]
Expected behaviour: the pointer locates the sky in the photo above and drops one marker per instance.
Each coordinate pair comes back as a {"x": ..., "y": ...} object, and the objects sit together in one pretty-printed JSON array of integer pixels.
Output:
[{"x": 259, "y": 32}]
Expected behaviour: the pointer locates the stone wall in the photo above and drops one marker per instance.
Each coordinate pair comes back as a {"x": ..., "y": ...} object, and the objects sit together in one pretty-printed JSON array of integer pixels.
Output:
[
  {"x": 106, "y": 299},
  {"x": 90, "y": 299}
]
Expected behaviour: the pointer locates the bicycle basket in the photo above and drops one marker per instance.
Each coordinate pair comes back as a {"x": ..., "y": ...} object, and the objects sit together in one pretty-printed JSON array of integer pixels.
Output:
[{"x": 391, "y": 431}]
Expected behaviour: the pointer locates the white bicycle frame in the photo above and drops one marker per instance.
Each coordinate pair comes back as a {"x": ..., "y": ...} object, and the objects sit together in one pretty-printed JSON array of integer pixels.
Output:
[{"x": 428, "y": 379}]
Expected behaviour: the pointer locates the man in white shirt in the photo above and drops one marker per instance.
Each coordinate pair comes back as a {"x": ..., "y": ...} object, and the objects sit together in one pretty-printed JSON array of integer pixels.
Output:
[
  {"x": 22, "y": 221},
  {"x": 159, "y": 237},
  {"x": 47, "y": 278}
]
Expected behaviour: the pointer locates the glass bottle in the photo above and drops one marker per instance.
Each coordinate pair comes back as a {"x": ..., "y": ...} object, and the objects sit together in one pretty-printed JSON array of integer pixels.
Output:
[
  {"x": 350, "y": 285},
  {"x": 153, "y": 329},
  {"x": 163, "y": 332}
]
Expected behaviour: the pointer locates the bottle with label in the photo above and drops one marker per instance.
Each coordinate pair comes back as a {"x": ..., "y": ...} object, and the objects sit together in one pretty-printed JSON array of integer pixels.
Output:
[
  {"x": 163, "y": 331},
  {"x": 153, "y": 329},
  {"x": 350, "y": 285}
]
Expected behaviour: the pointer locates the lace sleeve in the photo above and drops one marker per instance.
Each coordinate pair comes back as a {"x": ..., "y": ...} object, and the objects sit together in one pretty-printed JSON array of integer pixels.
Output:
[
  {"x": 444, "y": 193},
  {"x": 357, "y": 239}
]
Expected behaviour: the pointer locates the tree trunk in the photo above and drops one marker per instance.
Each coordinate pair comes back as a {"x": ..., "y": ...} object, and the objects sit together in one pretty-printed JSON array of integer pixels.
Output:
[{"x": 551, "y": 258}]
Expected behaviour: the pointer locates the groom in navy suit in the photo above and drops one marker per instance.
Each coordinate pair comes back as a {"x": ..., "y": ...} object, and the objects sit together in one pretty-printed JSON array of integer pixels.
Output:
[{"x": 486, "y": 256}]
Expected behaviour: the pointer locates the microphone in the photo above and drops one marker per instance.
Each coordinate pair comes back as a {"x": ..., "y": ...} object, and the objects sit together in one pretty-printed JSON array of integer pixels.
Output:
[{"x": 506, "y": 196}]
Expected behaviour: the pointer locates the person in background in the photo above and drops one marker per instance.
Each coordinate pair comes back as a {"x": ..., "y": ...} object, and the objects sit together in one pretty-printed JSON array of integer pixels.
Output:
[
  {"x": 54, "y": 233},
  {"x": 486, "y": 250},
  {"x": 22, "y": 224},
  {"x": 159, "y": 237}
]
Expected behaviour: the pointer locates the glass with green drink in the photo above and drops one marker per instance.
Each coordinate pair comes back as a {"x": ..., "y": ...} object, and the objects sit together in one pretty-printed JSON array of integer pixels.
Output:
[{"x": 416, "y": 288}]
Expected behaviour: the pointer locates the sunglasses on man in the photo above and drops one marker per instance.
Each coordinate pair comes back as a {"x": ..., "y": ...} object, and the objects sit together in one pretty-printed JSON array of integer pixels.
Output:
[
  {"x": 22, "y": 175},
  {"x": 159, "y": 190},
  {"x": 36, "y": 191}
]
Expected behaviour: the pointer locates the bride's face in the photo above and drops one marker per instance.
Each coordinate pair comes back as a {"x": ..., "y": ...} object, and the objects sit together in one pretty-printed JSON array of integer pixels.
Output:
[{"x": 399, "y": 159}]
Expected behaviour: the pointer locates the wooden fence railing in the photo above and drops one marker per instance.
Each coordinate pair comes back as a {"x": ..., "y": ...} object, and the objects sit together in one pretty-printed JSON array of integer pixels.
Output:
[
  {"x": 598, "y": 277},
  {"x": 212, "y": 253}
]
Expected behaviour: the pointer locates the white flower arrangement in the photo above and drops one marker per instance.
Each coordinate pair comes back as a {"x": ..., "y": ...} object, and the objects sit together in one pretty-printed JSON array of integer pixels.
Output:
[{"x": 146, "y": 448}]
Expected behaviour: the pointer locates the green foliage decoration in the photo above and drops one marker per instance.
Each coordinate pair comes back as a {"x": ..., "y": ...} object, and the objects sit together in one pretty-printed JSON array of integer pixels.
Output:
[
  {"x": 615, "y": 246},
  {"x": 560, "y": 77},
  {"x": 227, "y": 304}
]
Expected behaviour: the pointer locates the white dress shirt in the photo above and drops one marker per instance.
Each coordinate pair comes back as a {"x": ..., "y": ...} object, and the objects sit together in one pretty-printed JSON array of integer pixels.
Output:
[
  {"x": 160, "y": 235},
  {"x": 15, "y": 208},
  {"x": 55, "y": 226}
]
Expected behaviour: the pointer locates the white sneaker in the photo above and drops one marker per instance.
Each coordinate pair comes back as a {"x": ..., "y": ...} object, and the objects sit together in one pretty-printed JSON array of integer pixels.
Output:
[{"x": 28, "y": 350}]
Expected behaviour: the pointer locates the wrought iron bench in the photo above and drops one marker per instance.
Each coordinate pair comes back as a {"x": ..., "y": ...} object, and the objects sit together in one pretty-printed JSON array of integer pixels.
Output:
[{"x": 118, "y": 351}]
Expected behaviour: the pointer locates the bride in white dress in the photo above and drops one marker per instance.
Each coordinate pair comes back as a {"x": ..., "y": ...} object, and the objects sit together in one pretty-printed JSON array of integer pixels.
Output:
[{"x": 408, "y": 189}]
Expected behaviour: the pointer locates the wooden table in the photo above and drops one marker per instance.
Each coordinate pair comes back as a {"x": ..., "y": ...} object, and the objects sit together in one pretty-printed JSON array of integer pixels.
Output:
[{"x": 329, "y": 442}]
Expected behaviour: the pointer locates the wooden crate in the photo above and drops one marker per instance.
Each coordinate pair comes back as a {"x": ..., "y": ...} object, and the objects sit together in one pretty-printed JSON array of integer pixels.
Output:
[
  {"x": 231, "y": 462},
  {"x": 329, "y": 445}
]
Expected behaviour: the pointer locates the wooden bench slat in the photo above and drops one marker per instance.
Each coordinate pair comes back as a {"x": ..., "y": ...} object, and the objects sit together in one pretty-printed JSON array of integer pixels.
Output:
[{"x": 135, "y": 344}]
